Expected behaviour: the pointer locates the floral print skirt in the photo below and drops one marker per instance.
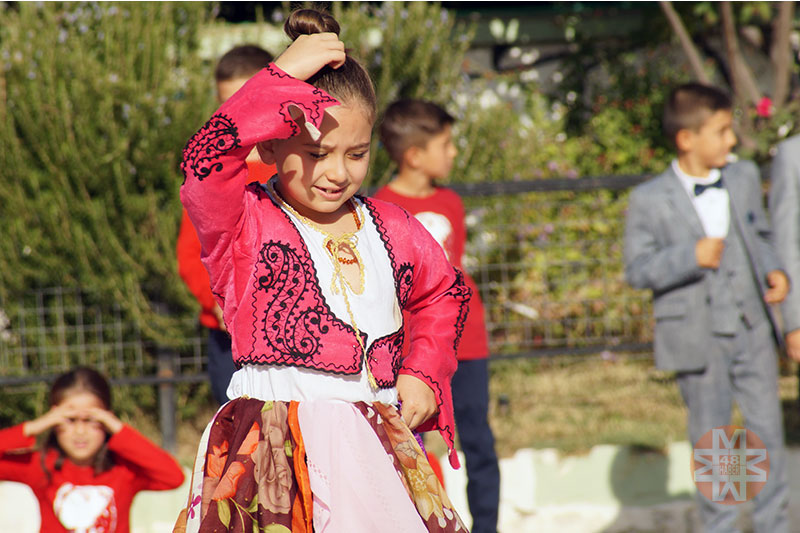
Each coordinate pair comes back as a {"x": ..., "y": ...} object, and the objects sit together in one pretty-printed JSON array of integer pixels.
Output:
[{"x": 252, "y": 474}]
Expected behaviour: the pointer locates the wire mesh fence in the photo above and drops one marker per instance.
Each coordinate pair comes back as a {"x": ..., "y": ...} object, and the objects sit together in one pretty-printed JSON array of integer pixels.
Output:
[
  {"x": 547, "y": 258},
  {"x": 44, "y": 332},
  {"x": 546, "y": 255}
]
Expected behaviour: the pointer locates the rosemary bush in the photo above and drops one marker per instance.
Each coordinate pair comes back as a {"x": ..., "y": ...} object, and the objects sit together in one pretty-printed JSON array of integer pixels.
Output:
[{"x": 96, "y": 103}]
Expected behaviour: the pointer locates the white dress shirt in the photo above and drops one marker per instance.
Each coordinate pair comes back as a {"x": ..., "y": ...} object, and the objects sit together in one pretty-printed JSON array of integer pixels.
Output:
[{"x": 712, "y": 205}]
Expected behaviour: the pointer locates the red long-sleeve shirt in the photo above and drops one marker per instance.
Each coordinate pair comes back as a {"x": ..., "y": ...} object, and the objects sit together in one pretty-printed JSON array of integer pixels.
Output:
[{"x": 74, "y": 497}]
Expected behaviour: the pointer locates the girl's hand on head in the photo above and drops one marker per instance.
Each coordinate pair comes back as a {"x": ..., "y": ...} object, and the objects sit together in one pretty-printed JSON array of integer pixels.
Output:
[
  {"x": 107, "y": 418},
  {"x": 58, "y": 414},
  {"x": 419, "y": 401},
  {"x": 309, "y": 53}
]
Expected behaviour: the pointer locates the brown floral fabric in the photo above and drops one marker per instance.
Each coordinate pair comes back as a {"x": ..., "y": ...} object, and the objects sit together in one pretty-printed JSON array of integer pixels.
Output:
[{"x": 255, "y": 456}]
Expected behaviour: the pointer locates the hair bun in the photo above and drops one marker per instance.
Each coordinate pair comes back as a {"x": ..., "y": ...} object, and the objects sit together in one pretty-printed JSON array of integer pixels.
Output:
[{"x": 309, "y": 21}]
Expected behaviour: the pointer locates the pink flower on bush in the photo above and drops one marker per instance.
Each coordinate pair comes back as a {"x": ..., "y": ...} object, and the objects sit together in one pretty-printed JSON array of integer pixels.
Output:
[{"x": 764, "y": 107}]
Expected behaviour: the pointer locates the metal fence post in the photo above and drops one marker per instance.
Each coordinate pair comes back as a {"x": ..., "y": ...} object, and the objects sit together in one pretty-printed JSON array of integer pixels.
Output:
[{"x": 167, "y": 415}]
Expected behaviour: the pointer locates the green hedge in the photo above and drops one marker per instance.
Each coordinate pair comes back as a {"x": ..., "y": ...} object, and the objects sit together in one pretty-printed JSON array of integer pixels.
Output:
[{"x": 98, "y": 101}]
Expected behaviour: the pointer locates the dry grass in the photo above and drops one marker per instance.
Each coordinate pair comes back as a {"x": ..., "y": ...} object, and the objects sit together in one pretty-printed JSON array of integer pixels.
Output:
[
  {"x": 569, "y": 404},
  {"x": 573, "y": 404}
]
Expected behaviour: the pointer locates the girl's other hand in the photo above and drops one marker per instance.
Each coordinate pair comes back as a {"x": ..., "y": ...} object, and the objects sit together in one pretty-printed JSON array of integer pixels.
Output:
[
  {"x": 309, "y": 53},
  {"x": 108, "y": 419},
  {"x": 419, "y": 401}
]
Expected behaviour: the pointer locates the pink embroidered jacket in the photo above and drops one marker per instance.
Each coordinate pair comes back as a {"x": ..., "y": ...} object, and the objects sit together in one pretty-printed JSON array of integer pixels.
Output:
[{"x": 262, "y": 274}]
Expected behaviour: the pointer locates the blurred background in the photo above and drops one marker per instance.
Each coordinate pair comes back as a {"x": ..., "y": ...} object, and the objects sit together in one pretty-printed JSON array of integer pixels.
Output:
[{"x": 558, "y": 115}]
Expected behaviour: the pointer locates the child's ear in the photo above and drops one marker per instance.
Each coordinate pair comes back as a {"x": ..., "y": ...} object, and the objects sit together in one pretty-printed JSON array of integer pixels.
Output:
[
  {"x": 683, "y": 140},
  {"x": 411, "y": 157},
  {"x": 266, "y": 152}
]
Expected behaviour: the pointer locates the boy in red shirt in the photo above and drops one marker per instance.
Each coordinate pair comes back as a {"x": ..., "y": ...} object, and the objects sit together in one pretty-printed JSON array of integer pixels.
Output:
[
  {"x": 417, "y": 134},
  {"x": 233, "y": 69}
]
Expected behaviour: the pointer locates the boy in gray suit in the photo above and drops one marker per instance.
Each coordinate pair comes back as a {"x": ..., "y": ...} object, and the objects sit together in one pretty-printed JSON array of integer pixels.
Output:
[
  {"x": 698, "y": 237},
  {"x": 784, "y": 206}
]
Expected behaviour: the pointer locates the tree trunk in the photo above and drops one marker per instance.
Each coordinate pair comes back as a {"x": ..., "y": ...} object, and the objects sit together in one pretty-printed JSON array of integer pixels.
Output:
[
  {"x": 780, "y": 53},
  {"x": 742, "y": 90},
  {"x": 686, "y": 41},
  {"x": 744, "y": 85}
]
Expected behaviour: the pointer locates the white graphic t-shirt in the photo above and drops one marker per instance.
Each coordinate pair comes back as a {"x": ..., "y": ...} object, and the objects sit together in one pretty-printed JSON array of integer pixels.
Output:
[
  {"x": 438, "y": 226},
  {"x": 86, "y": 508}
]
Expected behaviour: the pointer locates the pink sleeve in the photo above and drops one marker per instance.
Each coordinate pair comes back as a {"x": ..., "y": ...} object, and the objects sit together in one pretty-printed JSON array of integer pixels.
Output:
[
  {"x": 154, "y": 468},
  {"x": 437, "y": 304},
  {"x": 214, "y": 167}
]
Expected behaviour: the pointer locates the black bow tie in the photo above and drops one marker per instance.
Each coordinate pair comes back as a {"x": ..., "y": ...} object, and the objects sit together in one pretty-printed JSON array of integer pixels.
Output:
[{"x": 699, "y": 189}]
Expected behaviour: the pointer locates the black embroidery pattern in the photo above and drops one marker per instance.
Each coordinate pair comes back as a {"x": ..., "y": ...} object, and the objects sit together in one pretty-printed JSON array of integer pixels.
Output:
[
  {"x": 461, "y": 293},
  {"x": 201, "y": 154},
  {"x": 386, "y": 349},
  {"x": 312, "y": 111},
  {"x": 292, "y": 330},
  {"x": 405, "y": 279},
  {"x": 384, "y": 235},
  {"x": 291, "y": 315}
]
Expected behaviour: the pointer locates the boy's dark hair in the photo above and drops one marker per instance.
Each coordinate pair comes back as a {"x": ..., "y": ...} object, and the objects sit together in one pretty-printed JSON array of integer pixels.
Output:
[
  {"x": 79, "y": 379},
  {"x": 689, "y": 106},
  {"x": 408, "y": 123},
  {"x": 350, "y": 83},
  {"x": 241, "y": 62}
]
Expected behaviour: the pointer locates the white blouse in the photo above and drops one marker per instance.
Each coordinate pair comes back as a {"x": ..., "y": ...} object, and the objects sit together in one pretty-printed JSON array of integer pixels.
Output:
[{"x": 376, "y": 313}]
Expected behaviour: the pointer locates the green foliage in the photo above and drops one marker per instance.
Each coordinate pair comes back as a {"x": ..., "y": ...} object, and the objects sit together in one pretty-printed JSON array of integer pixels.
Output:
[
  {"x": 767, "y": 132},
  {"x": 98, "y": 100},
  {"x": 635, "y": 72},
  {"x": 411, "y": 50}
]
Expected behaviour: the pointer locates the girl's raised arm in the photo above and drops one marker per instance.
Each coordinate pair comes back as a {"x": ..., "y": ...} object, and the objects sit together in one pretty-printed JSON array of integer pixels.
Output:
[{"x": 214, "y": 191}]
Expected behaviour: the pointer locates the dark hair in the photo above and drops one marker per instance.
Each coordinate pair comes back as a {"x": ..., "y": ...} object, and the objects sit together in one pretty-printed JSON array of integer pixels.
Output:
[
  {"x": 79, "y": 379},
  {"x": 241, "y": 62},
  {"x": 349, "y": 83},
  {"x": 689, "y": 106},
  {"x": 408, "y": 123}
]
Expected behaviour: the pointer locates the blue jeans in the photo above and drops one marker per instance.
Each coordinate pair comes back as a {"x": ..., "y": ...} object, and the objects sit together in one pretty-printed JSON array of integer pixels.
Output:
[
  {"x": 471, "y": 405},
  {"x": 220, "y": 363}
]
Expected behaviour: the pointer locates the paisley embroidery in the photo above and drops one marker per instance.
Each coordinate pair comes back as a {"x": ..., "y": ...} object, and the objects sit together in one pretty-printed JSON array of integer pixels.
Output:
[
  {"x": 291, "y": 316},
  {"x": 201, "y": 154},
  {"x": 404, "y": 280},
  {"x": 289, "y": 329}
]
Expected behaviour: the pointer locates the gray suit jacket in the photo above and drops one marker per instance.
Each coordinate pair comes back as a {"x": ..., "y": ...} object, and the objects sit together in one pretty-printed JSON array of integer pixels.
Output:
[
  {"x": 784, "y": 206},
  {"x": 661, "y": 231}
]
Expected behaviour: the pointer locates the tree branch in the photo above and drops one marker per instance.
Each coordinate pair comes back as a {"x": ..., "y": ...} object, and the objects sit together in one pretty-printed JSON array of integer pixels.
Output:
[
  {"x": 780, "y": 52},
  {"x": 686, "y": 41}
]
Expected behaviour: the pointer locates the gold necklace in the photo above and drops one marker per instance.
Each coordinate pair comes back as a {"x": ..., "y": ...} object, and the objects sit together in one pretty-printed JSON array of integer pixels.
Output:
[
  {"x": 329, "y": 242},
  {"x": 333, "y": 246}
]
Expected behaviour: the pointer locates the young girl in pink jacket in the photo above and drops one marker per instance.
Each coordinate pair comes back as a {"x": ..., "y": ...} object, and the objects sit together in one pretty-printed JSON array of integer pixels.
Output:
[{"x": 312, "y": 280}]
